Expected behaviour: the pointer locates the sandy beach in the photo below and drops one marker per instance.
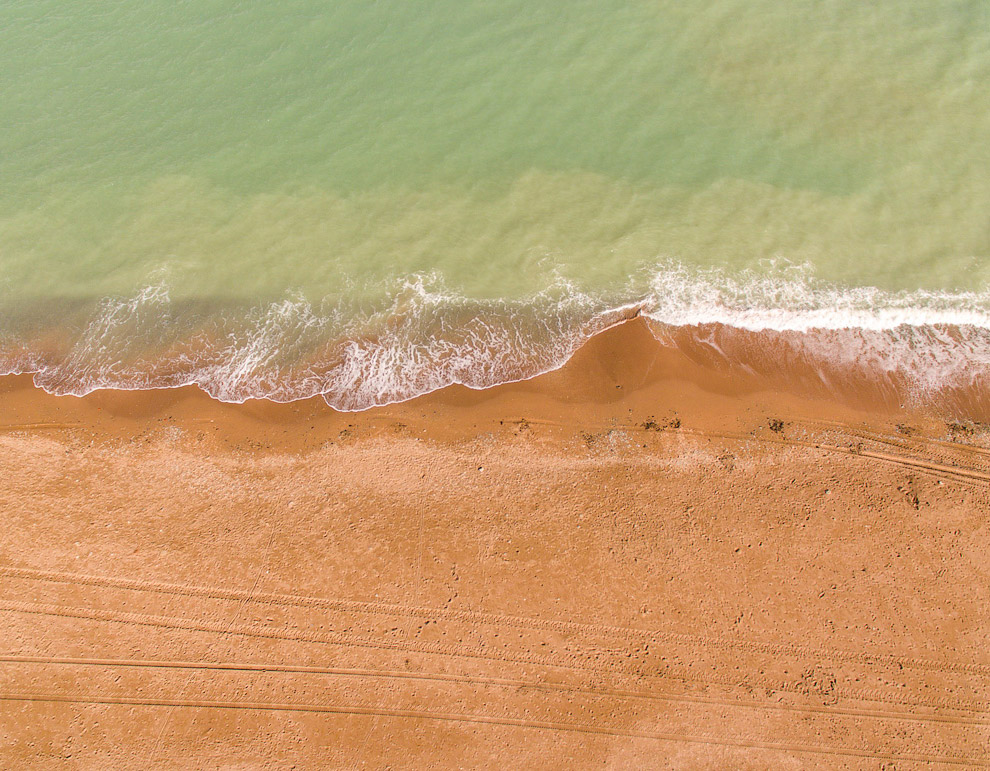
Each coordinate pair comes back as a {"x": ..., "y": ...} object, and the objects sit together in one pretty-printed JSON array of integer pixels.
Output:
[{"x": 636, "y": 561}]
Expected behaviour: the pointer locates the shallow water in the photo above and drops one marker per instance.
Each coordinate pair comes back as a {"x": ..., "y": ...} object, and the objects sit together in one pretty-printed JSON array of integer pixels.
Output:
[{"x": 371, "y": 200}]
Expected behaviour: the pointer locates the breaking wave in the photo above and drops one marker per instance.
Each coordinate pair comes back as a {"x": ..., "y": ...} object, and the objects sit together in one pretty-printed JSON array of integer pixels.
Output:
[{"x": 424, "y": 337}]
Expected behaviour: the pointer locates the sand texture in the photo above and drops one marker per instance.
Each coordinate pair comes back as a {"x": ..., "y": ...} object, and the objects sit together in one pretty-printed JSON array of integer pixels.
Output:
[{"x": 606, "y": 567}]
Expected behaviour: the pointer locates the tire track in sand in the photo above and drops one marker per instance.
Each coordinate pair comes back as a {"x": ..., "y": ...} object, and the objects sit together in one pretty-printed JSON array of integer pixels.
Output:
[
  {"x": 472, "y": 616},
  {"x": 341, "y": 709},
  {"x": 565, "y": 661},
  {"x": 537, "y": 685}
]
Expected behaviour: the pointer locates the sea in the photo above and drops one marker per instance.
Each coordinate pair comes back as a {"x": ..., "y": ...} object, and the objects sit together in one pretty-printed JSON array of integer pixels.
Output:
[{"x": 367, "y": 200}]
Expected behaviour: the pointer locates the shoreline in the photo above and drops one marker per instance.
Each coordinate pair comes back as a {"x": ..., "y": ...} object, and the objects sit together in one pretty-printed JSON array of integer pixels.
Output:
[
  {"x": 930, "y": 359},
  {"x": 620, "y": 374},
  {"x": 632, "y": 557}
]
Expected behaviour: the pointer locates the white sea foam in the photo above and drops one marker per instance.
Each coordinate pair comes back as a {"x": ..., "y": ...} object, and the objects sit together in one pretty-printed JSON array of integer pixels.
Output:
[
  {"x": 789, "y": 298},
  {"x": 932, "y": 341},
  {"x": 426, "y": 337}
]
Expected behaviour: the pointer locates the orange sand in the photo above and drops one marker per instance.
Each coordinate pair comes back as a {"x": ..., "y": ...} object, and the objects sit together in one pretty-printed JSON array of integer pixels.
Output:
[{"x": 636, "y": 561}]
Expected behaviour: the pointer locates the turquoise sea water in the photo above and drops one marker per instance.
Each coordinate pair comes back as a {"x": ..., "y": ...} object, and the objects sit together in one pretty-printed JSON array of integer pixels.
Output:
[{"x": 373, "y": 199}]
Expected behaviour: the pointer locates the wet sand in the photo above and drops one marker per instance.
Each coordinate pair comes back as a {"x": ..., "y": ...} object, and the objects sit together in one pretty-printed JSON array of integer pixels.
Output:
[{"x": 640, "y": 560}]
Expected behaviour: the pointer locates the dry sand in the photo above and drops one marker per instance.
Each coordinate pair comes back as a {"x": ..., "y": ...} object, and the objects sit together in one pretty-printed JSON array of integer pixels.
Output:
[{"x": 633, "y": 562}]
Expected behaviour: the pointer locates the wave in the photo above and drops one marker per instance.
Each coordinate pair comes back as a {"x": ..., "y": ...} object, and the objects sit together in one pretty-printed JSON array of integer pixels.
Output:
[{"x": 424, "y": 337}]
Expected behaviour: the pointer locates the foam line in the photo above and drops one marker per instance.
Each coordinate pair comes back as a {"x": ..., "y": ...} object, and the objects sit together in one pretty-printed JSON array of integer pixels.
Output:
[{"x": 426, "y": 337}]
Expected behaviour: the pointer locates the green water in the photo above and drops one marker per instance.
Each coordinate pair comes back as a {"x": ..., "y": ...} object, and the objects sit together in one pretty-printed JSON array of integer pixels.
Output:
[{"x": 241, "y": 153}]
